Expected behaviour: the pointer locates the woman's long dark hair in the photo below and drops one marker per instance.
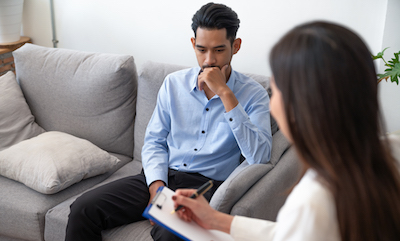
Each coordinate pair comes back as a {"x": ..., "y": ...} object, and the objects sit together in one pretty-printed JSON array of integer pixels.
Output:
[{"x": 328, "y": 83}]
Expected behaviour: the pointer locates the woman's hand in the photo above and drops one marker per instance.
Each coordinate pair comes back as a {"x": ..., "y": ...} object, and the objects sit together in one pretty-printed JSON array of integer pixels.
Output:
[{"x": 199, "y": 211}]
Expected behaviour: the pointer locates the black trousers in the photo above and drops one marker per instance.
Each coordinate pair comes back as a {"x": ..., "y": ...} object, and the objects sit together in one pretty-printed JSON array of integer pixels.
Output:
[{"x": 122, "y": 202}]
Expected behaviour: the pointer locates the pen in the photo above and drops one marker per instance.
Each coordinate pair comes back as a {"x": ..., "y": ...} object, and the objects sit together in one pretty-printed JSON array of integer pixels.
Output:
[{"x": 203, "y": 189}]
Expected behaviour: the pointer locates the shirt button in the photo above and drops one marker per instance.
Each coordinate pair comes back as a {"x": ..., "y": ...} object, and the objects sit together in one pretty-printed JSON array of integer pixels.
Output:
[
  {"x": 184, "y": 164},
  {"x": 230, "y": 119},
  {"x": 195, "y": 149},
  {"x": 203, "y": 132},
  {"x": 207, "y": 109}
]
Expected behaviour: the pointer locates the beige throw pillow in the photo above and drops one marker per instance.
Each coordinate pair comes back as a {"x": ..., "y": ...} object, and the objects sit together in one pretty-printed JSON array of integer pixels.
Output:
[{"x": 54, "y": 161}]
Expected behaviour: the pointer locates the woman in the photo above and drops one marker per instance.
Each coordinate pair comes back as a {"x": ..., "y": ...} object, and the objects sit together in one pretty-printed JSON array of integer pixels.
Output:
[{"x": 325, "y": 102}]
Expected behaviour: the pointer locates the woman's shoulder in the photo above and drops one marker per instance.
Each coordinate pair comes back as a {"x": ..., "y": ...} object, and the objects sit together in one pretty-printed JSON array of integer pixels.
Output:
[
  {"x": 309, "y": 211},
  {"x": 310, "y": 191}
]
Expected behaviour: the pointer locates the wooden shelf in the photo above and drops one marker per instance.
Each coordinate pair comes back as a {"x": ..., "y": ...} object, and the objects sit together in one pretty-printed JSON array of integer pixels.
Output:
[
  {"x": 11, "y": 46},
  {"x": 6, "y": 58}
]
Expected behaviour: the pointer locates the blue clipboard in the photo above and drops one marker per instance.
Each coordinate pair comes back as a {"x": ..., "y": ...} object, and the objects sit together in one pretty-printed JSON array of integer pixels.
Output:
[{"x": 159, "y": 211}]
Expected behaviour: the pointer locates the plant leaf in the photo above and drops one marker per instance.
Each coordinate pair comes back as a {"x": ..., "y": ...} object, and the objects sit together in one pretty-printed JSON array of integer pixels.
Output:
[
  {"x": 395, "y": 60},
  {"x": 394, "y": 73},
  {"x": 393, "y": 70},
  {"x": 375, "y": 57},
  {"x": 396, "y": 55},
  {"x": 379, "y": 55},
  {"x": 381, "y": 76}
]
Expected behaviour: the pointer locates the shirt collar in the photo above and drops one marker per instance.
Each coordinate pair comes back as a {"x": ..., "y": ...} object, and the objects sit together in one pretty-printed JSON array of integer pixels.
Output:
[
  {"x": 196, "y": 72},
  {"x": 230, "y": 83}
]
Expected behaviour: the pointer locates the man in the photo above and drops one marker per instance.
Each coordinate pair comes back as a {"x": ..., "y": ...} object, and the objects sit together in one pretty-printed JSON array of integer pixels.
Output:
[{"x": 205, "y": 118}]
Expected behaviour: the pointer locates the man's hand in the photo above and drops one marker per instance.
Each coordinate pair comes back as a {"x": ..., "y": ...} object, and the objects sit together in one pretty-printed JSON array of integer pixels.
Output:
[
  {"x": 153, "y": 190},
  {"x": 214, "y": 79}
]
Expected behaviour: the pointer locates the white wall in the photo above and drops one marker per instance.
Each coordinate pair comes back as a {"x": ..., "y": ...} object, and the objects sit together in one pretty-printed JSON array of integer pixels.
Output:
[
  {"x": 390, "y": 92},
  {"x": 159, "y": 30}
]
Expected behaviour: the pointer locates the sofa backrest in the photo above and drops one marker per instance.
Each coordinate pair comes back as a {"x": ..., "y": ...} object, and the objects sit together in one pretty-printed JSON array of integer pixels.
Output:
[
  {"x": 151, "y": 76},
  {"x": 88, "y": 95}
]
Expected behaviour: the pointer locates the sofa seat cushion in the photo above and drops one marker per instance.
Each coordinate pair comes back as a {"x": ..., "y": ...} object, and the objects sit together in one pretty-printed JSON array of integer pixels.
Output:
[
  {"x": 23, "y": 209},
  {"x": 57, "y": 217},
  {"x": 17, "y": 122},
  {"x": 138, "y": 231},
  {"x": 53, "y": 161}
]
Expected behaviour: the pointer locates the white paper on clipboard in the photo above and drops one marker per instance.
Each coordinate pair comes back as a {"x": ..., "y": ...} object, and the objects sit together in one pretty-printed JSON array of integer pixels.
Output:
[{"x": 159, "y": 211}]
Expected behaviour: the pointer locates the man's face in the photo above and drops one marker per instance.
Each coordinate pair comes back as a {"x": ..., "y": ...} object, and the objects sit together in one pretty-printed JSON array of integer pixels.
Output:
[{"x": 213, "y": 48}]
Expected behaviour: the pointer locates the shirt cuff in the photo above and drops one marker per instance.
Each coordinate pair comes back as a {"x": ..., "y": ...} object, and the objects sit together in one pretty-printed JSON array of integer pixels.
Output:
[
  {"x": 236, "y": 116},
  {"x": 155, "y": 176}
]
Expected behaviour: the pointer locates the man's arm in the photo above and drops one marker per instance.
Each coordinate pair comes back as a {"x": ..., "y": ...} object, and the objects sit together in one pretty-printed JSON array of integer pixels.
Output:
[
  {"x": 251, "y": 128},
  {"x": 155, "y": 149}
]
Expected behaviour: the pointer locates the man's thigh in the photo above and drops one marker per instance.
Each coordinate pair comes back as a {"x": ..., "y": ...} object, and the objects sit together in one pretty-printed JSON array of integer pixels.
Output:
[
  {"x": 117, "y": 203},
  {"x": 178, "y": 180}
]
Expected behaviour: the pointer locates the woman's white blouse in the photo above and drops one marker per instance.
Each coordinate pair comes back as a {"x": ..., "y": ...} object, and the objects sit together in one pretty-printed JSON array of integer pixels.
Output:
[{"x": 309, "y": 214}]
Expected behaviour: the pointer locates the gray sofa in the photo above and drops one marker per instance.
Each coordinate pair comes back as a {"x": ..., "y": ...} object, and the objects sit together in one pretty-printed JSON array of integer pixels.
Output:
[{"x": 102, "y": 98}]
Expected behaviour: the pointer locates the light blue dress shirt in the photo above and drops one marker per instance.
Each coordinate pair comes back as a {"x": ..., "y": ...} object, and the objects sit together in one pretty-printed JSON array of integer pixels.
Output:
[{"x": 189, "y": 133}]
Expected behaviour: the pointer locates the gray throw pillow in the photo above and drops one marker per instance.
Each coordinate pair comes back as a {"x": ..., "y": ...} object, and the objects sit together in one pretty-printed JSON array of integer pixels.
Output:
[
  {"x": 88, "y": 95},
  {"x": 17, "y": 122}
]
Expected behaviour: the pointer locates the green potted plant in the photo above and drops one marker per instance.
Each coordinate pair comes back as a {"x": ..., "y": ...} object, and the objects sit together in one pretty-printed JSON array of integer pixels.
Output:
[{"x": 393, "y": 70}]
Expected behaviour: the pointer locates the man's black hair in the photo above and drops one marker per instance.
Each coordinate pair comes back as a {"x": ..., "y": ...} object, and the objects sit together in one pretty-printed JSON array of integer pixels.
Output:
[{"x": 216, "y": 16}]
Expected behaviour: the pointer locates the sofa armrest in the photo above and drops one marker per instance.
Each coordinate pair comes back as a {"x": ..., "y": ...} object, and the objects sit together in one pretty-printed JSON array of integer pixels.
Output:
[
  {"x": 237, "y": 184},
  {"x": 267, "y": 196},
  {"x": 245, "y": 176}
]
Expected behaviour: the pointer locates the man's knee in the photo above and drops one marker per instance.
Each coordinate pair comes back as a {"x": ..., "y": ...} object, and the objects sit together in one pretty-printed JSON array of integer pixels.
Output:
[{"x": 83, "y": 206}]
